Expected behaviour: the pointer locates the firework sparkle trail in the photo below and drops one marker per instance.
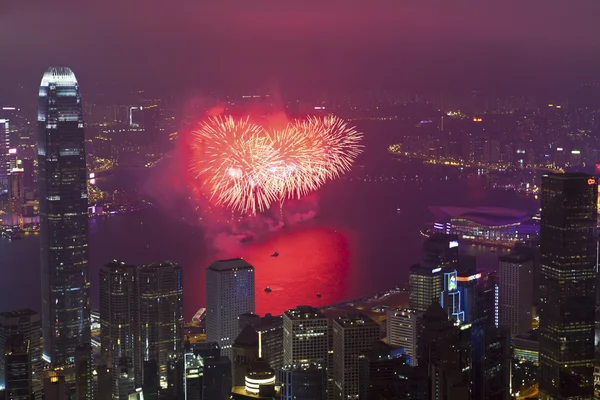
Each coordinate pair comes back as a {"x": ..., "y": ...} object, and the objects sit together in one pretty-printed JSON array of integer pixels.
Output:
[{"x": 248, "y": 168}]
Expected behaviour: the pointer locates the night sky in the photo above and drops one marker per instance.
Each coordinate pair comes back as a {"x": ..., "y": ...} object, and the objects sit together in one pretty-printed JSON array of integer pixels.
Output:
[{"x": 171, "y": 46}]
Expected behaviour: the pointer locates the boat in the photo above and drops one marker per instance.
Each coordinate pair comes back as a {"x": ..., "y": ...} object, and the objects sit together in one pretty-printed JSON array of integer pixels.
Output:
[
  {"x": 319, "y": 295},
  {"x": 268, "y": 289},
  {"x": 276, "y": 254}
]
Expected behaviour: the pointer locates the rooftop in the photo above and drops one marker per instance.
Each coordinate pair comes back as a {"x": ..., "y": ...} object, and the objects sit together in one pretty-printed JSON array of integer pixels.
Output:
[
  {"x": 487, "y": 216},
  {"x": 25, "y": 312},
  {"x": 304, "y": 312},
  {"x": 59, "y": 76},
  {"x": 229, "y": 265},
  {"x": 515, "y": 258},
  {"x": 569, "y": 175},
  {"x": 355, "y": 320}
]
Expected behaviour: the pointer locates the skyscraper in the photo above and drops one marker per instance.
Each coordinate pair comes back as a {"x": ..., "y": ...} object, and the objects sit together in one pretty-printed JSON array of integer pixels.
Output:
[
  {"x": 119, "y": 320},
  {"x": 305, "y": 336},
  {"x": 28, "y": 324},
  {"x": 4, "y": 160},
  {"x": 63, "y": 217},
  {"x": 567, "y": 287},
  {"x": 229, "y": 293},
  {"x": 352, "y": 335},
  {"x": 515, "y": 296},
  {"x": 426, "y": 285},
  {"x": 161, "y": 314},
  {"x": 402, "y": 325}
]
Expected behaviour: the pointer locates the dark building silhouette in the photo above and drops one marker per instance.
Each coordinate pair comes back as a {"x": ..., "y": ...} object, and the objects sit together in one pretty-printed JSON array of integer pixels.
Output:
[
  {"x": 441, "y": 349},
  {"x": 385, "y": 375},
  {"x": 83, "y": 372},
  {"x": 567, "y": 287},
  {"x": 302, "y": 382},
  {"x": 63, "y": 217},
  {"x": 18, "y": 368},
  {"x": 245, "y": 353}
]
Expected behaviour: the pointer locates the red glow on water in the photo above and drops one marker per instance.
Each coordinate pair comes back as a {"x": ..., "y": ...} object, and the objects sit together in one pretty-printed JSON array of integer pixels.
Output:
[{"x": 311, "y": 260}]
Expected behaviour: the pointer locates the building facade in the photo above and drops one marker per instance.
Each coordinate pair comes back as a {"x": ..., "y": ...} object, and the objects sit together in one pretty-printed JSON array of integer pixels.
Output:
[
  {"x": 119, "y": 320},
  {"x": 63, "y": 217},
  {"x": 27, "y": 323},
  {"x": 352, "y": 336},
  {"x": 229, "y": 294},
  {"x": 305, "y": 337},
  {"x": 567, "y": 286},
  {"x": 402, "y": 325},
  {"x": 515, "y": 296}
]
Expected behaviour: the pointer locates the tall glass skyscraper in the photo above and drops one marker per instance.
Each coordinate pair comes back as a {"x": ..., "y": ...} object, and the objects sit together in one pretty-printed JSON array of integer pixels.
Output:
[
  {"x": 567, "y": 286},
  {"x": 63, "y": 217}
]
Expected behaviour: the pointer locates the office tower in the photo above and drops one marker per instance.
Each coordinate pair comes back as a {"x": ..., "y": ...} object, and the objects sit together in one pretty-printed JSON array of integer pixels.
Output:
[
  {"x": 63, "y": 217},
  {"x": 515, "y": 296},
  {"x": 83, "y": 372},
  {"x": 55, "y": 387},
  {"x": 352, "y": 335},
  {"x": 440, "y": 250},
  {"x": 229, "y": 293},
  {"x": 440, "y": 350},
  {"x": 125, "y": 383},
  {"x": 468, "y": 282},
  {"x": 192, "y": 376},
  {"x": 302, "y": 382},
  {"x": 305, "y": 336},
  {"x": 245, "y": 352},
  {"x": 17, "y": 359},
  {"x": 4, "y": 160},
  {"x": 176, "y": 370},
  {"x": 151, "y": 382},
  {"x": 425, "y": 286},
  {"x": 450, "y": 297},
  {"x": 567, "y": 285},
  {"x": 120, "y": 320},
  {"x": 161, "y": 313},
  {"x": 28, "y": 323},
  {"x": 490, "y": 355},
  {"x": 141, "y": 313},
  {"x": 217, "y": 378},
  {"x": 401, "y": 327},
  {"x": 16, "y": 196},
  {"x": 384, "y": 375},
  {"x": 270, "y": 333}
]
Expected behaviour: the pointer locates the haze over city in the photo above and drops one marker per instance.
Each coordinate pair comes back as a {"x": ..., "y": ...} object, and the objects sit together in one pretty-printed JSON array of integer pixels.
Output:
[{"x": 299, "y": 200}]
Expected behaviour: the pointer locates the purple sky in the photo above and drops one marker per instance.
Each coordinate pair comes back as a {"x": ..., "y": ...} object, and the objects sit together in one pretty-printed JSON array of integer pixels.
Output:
[{"x": 252, "y": 44}]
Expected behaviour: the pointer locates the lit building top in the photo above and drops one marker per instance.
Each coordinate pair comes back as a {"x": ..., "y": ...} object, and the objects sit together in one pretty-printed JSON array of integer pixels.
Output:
[
  {"x": 304, "y": 312},
  {"x": 58, "y": 76}
]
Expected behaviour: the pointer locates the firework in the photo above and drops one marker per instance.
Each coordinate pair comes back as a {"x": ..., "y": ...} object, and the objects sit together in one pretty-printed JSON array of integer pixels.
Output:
[{"x": 248, "y": 168}]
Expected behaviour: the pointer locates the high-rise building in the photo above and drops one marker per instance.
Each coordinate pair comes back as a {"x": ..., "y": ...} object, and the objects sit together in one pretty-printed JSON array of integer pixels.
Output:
[
  {"x": 515, "y": 296},
  {"x": 426, "y": 284},
  {"x": 55, "y": 386},
  {"x": 27, "y": 323},
  {"x": 440, "y": 250},
  {"x": 119, "y": 320},
  {"x": 161, "y": 314},
  {"x": 305, "y": 336},
  {"x": 141, "y": 318},
  {"x": 385, "y": 375},
  {"x": 229, "y": 294},
  {"x": 17, "y": 359},
  {"x": 302, "y": 382},
  {"x": 402, "y": 325},
  {"x": 440, "y": 350},
  {"x": 63, "y": 217},
  {"x": 4, "y": 159},
  {"x": 83, "y": 372},
  {"x": 567, "y": 285},
  {"x": 352, "y": 336},
  {"x": 245, "y": 352}
]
